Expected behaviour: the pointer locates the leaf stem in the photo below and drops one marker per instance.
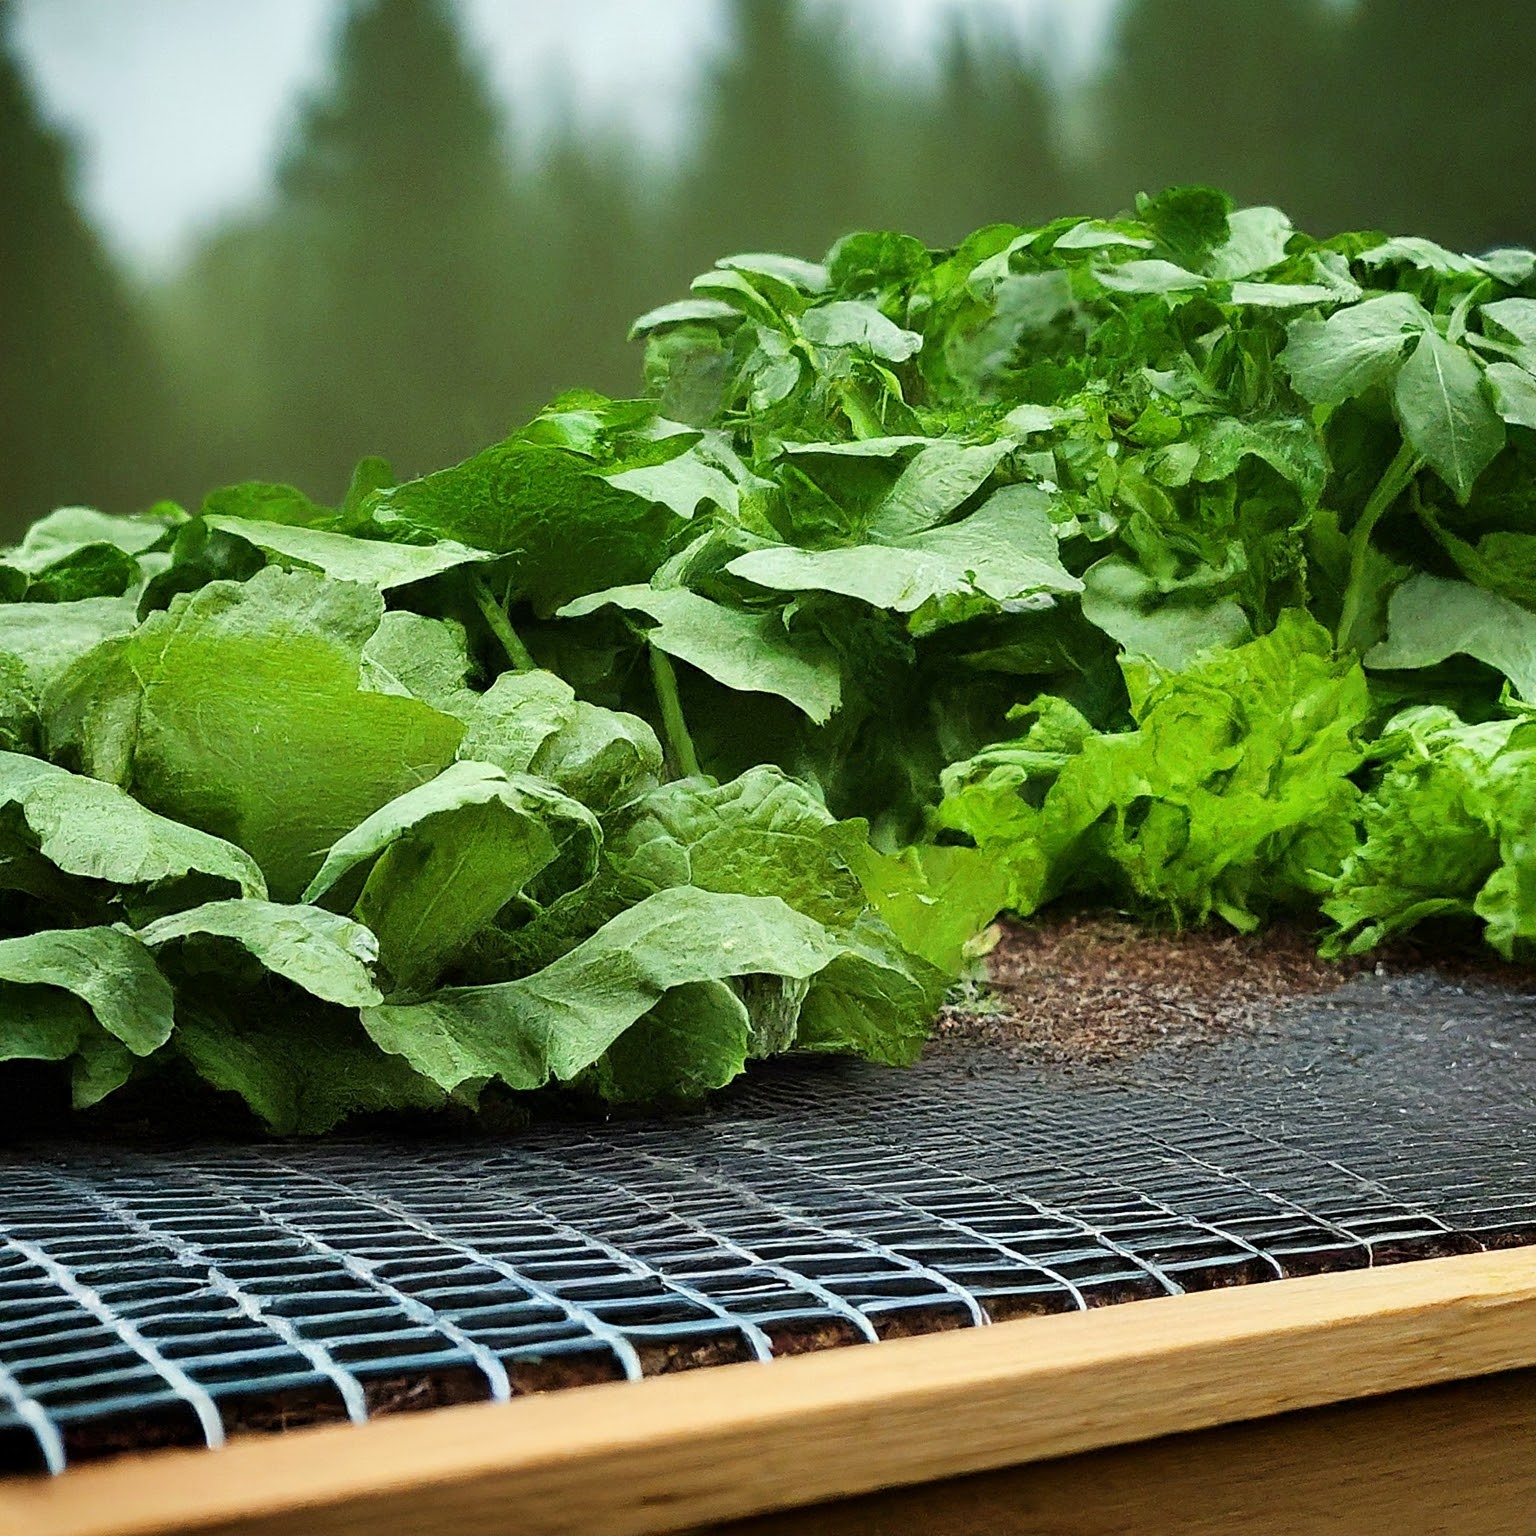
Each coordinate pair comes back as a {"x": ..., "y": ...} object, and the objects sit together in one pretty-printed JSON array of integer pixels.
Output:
[
  {"x": 679, "y": 743},
  {"x": 501, "y": 626},
  {"x": 1395, "y": 479}
]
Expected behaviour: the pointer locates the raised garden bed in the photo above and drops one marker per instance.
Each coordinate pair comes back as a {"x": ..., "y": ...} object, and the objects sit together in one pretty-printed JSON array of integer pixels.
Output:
[{"x": 1120, "y": 1117}]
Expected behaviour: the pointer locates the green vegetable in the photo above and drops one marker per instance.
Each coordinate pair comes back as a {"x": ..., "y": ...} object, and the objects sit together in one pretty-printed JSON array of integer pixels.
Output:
[{"x": 1178, "y": 560}]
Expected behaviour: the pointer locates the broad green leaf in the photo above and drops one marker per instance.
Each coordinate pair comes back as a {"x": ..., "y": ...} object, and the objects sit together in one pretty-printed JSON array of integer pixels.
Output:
[
  {"x": 70, "y": 529},
  {"x": 532, "y": 722},
  {"x": 853, "y": 323},
  {"x": 1332, "y": 360},
  {"x": 303, "y": 1071},
  {"x": 683, "y": 312},
  {"x": 569, "y": 528},
  {"x": 327, "y": 955},
  {"x": 935, "y": 482},
  {"x": 1094, "y": 234},
  {"x": 93, "y": 830},
  {"x": 420, "y": 658},
  {"x": 808, "y": 276},
  {"x": 1445, "y": 413},
  {"x": 1516, "y": 318},
  {"x": 750, "y": 651},
  {"x": 1514, "y": 393},
  {"x": 696, "y": 1038},
  {"x": 1430, "y": 619},
  {"x": 108, "y": 970},
  {"x": 1169, "y": 628},
  {"x": 43, "y": 1023},
  {"x": 1148, "y": 277},
  {"x": 560, "y": 1020},
  {"x": 1256, "y": 241},
  {"x": 239, "y": 711},
  {"x": 936, "y": 899},
  {"x": 342, "y": 557},
  {"x": 428, "y": 871},
  {"x": 1006, "y": 550},
  {"x": 47, "y": 643},
  {"x": 680, "y": 484},
  {"x": 1282, "y": 295}
]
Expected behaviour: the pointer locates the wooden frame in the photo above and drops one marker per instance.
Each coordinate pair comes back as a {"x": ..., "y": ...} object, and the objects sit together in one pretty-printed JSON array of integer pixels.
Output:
[{"x": 681, "y": 1452}]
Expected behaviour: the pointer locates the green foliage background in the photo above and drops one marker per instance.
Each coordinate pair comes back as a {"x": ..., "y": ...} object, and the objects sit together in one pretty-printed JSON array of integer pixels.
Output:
[{"x": 419, "y": 284}]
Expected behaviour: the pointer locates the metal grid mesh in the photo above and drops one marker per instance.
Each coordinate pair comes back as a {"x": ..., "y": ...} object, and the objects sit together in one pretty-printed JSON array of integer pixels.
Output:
[{"x": 178, "y": 1286}]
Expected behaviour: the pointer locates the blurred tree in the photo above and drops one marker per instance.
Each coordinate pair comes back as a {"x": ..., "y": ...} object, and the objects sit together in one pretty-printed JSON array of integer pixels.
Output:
[
  {"x": 1234, "y": 93},
  {"x": 1437, "y": 107},
  {"x": 985, "y": 147},
  {"x": 779, "y": 148},
  {"x": 79, "y": 385},
  {"x": 382, "y": 304}
]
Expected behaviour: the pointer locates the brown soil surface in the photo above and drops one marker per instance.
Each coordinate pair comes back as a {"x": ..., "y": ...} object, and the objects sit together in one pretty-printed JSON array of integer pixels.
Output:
[{"x": 1096, "y": 987}]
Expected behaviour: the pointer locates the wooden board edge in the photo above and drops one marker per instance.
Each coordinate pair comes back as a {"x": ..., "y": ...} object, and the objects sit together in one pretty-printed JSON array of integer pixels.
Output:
[{"x": 634, "y": 1459}]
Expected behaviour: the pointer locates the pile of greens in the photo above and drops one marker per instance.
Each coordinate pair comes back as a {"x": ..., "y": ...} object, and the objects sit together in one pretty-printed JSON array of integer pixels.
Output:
[{"x": 1179, "y": 561}]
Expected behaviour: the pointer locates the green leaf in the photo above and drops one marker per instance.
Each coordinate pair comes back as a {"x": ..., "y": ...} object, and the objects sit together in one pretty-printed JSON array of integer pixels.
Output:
[
  {"x": 1333, "y": 360},
  {"x": 327, "y": 955},
  {"x": 373, "y": 562},
  {"x": 108, "y": 970},
  {"x": 1169, "y": 628},
  {"x": 683, "y": 312},
  {"x": 47, "y": 643},
  {"x": 301, "y": 1070},
  {"x": 1445, "y": 413},
  {"x": 1430, "y": 619},
  {"x": 559, "y": 1021},
  {"x": 696, "y": 1038},
  {"x": 853, "y": 323},
  {"x": 1514, "y": 393},
  {"x": 750, "y": 651},
  {"x": 1516, "y": 318},
  {"x": 936, "y": 899},
  {"x": 1005, "y": 551},
  {"x": 239, "y": 711},
  {"x": 94, "y": 831},
  {"x": 1148, "y": 277},
  {"x": 1429, "y": 843},
  {"x": 934, "y": 483},
  {"x": 1256, "y": 241},
  {"x": 570, "y": 529},
  {"x": 431, "y": 869},
  {"x": 420, "y": 658}
]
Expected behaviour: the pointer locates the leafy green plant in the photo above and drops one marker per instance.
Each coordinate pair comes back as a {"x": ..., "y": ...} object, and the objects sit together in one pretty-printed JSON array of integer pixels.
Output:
[{"x": 1179, "y": 560}]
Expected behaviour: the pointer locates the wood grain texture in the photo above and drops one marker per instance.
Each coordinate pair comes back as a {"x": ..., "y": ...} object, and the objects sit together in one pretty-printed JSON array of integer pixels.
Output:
[
  {"x": 1445, "y": 1461},
  {"x": 680, "y": 1452}
]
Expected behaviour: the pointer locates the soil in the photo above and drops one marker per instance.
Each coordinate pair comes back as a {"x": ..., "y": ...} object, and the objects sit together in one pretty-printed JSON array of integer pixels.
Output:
[{"x": 1097, "y": 987}]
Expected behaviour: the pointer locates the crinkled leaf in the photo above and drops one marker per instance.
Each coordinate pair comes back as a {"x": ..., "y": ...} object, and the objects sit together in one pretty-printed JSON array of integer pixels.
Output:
[
  {"x": 239, "y": 711},
  {"x": 428, "y": 871},
  {"x": 560, "y": 1020},
  {"x": 328, "y": 955},
  {"x": 108, "y": 970}
]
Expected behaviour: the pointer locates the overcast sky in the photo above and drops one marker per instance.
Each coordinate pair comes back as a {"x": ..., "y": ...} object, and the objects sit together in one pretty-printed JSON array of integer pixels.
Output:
[{"x": 179, "y": 107}]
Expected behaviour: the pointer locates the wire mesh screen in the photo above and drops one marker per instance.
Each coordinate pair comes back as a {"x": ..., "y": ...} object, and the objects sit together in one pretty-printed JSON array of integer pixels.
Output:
[{"x": 154, "y": 1293}]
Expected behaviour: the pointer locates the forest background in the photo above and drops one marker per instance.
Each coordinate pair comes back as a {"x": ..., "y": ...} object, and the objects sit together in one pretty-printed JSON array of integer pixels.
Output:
[{"x": 421, "y": 279}]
